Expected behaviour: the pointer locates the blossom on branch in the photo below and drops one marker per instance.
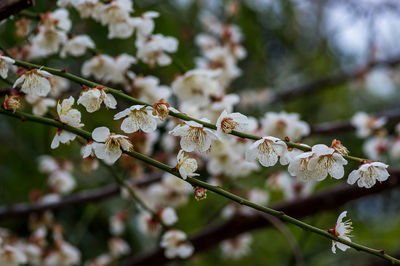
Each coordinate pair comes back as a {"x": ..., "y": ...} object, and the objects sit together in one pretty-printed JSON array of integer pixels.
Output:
[
  {"x": 186, "y": 166},
  {"x": 34, "y": 82},
  {"x": 342, "y": 230},
  {"x": 366, "y": 124},
  {"x": 110, "y": 145},
  {"x": 194, "y": 136},
  {"x": 69, "y": 116},
  {"x": 226, "y": 123},
  {"x": 266, "y": 150},
  {"x": 368, "y": 173},
  {"x": 91, "y": 99},
  {"x": 137, "y": 117}
]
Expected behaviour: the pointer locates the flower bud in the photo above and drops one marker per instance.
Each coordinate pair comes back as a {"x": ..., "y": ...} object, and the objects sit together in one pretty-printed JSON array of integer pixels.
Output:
[
  {"x": 200, "y": 193},
  {"x": 12, "y": 102},
  {"x": 337, "y": 146},
  {"x": 161, "y": 109}
]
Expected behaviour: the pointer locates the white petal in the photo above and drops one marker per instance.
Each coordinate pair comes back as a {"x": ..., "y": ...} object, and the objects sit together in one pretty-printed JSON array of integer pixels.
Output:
[{"x": 100, "y": 134}]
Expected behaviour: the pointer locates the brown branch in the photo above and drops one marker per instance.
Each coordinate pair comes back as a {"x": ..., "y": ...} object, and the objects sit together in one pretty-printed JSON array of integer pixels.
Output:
[
  {"x": 298, "y": 208},
  {"x": 334, "y": 127},
  {"x": 329, "y": 81},
  {"x": 10, "y": 7},
  {"x": 21, "y": 209}
]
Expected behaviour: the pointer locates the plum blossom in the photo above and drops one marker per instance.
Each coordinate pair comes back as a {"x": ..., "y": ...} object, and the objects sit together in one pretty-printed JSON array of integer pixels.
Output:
[
  {"x": 266, "y": 150},
  {"x": 34, "y": 82},
  {"x": 148, "y": 89},
  {"x": 317, "y": 164},
  {"x": 175, "y": 244},
  {"x": 368, "y": 173},
  {"x": 118, "y": 247},
  {"x": 12, "y": 256},
  {"x": 168, "y": 216},
  {"x": 194, "y": 136},
  {"x": 196, "y": 86},
  {"x": 91, "y": 99},
  {"x": 153, "y": 49},
  {"x": 144, "y": 24},
  {"x": 69, "y": 116},
  {"x": 281, "y": 125},
  {"x": 376, "y": 147},
  {"x": 366, "y": 124},
  {"x": 226, "y": 123},
  {"x": 119, "y": 68},
  {"x": 237, "y": 247},
  {"x": 186, "y": 166},
  {"x": 39, "y": 105},
  {"x": 77, "y": 45},
  {"x": 64, "y": 255},
  {"x": 137, "y": 117},
  {"x": 327, "y": 160},
  {"x": 110, "y": 144},
  {"x": 61, "y": 182},
  {"x": 5, "y": 63},
  {"x": 342, "y": 230},
  {"x": 99, "y": 66}
]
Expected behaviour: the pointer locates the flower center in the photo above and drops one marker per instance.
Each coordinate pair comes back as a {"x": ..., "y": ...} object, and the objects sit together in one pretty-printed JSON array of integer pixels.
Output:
[{"x": 228, "y": 124}]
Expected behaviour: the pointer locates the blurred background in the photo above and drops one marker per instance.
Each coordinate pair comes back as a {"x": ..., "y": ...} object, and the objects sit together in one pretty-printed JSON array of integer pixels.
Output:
[{"x": 289, "y": 43}]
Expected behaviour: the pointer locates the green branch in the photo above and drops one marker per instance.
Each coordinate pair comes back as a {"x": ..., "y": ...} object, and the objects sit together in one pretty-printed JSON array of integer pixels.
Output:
[
  {"x": 218, "y": 190},
  {"x": 120, "y": 94}
]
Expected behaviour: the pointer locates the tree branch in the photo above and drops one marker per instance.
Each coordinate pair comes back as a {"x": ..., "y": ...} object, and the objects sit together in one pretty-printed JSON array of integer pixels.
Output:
[
  {"x": 22, "y": 209},
  {"x": 333, "y": 127},
  {"x": 298, "y": 208},
  {"x": 10, "y": 7},
  {"x": 329, "y": 81}
]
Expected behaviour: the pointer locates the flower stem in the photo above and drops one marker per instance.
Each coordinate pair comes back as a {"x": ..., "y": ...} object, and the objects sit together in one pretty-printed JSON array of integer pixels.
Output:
[
  {"x": 121, "y": 94},
  {"x": 216, "y": 189}
]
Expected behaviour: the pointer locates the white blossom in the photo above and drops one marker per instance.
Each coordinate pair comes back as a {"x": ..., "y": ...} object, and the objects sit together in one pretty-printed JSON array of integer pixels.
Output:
[
  {"x": 194, "y": 136},
  {"x": 137, "y": 117},
  {"x": 77, "y": 45},
  {"x": 34, "y": 82},
  {"x": 317, "y": 164},
  {"x": 281, "y": 125},
  {"x": 65, "y": 255},
  {"x": 89, "y": 8},
  {"x": 168, "y": 216},
  {"x": 12, "y": 256},
  {"x": 237, "y": 247},
  {"x": 110, "y": 144},
  {"x": 92, "y": 98},
  {"x": 61, "y": 182},
  {"x": 69, "y": 116},
  {"x": 5, "y": 63},
  {"x": 368, "y": 173},
  {"x": 187, "y": 166},
  {"x": 99, "y": 66},
  {"x": 342, "y": 230},
  {"x": 148, "y": 89},
  {"x": 175, "y": 245},
  {"x": 366, "y": 124},
  {"x": 39, "y": 105},
  {"x": 226, "y": 123},
  {"x": 118, "y": 247},
  {"x": 196, "y": 86},
  {"x": 144, "y": 24},
  {"x": 152, "y": 50},
  {"x": 376, "y": 147},
  {"x": 119, "y": 68},
  {"x": 266, "y": 150}
]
